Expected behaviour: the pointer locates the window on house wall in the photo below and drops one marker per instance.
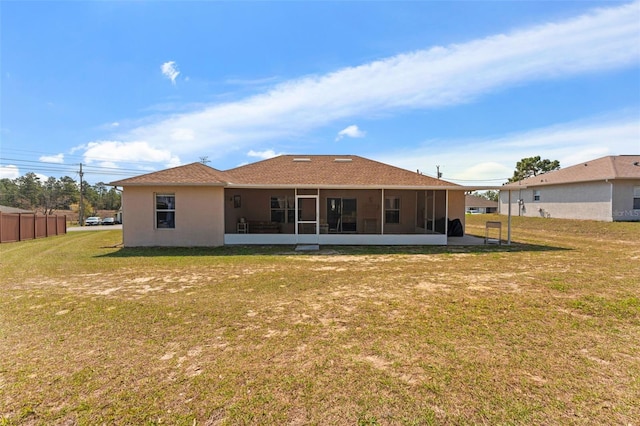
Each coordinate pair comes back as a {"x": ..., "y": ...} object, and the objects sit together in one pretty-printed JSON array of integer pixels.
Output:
[
  {"x": 636, "y": 197},
  {"x": 536, "y": 195},
  {"x": 165, "y": 211},
  {"x": 283, "y": 210},
  {"x": 391, "y": 209}
]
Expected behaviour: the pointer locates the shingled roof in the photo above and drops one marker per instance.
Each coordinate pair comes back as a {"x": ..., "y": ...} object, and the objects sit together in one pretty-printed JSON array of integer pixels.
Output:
[
  {"x": 471, "y": 200},
  {"x": 13, "y": 210},
  {"x": 329, "y": 171},
  {"x": 349, "y": 171},
  {"x": 190, "y": 174},
  {"x": 610, "y": 167}
]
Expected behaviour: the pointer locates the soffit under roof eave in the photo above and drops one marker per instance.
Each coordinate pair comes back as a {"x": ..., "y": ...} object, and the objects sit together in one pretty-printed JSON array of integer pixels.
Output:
[
  {"x": 306, "y": 186},
  {"x": 576, "y": 182},
  {"x": 124, "y": 185}
]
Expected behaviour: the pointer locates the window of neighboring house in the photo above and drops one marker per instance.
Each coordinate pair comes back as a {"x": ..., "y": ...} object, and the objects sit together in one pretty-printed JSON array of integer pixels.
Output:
[
  {"x": 283, "y": 210},
  {"x": 391, "y": 209},
  {"x": 165, "y": 211},
  {"x": 536, "y": 195},
  {"x": 636, "y": 197}
]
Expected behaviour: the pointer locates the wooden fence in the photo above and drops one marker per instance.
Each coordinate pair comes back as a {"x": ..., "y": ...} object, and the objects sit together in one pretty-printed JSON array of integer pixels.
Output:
[{"x": 28, "y": 226}]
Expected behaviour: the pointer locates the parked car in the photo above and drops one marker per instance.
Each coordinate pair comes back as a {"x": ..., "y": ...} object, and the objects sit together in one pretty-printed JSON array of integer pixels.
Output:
[
  {"x": 92, "y": 221},
  {"x": 108, "y": 221}
]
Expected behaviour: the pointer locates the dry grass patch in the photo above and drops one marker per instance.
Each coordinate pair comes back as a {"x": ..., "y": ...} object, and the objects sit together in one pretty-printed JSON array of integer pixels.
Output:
[{"x": 542, "y": 332}]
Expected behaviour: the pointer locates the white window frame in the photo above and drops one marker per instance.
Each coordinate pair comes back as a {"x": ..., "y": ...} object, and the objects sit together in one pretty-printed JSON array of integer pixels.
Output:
[
  {"x": 536, "y": 196},
  {"x": 636, "y": 198},
  {"x": 170, "y": 209}
]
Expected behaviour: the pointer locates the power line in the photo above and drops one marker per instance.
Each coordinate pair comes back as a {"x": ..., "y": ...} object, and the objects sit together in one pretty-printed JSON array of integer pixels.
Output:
[
  {"x": 62, "y": 165},
  {"x": 479, "y": 180},
  {"x": 71, "y": 171},
  {"x": 43, "y": 166},
  {"x": 78, "y": 157}
]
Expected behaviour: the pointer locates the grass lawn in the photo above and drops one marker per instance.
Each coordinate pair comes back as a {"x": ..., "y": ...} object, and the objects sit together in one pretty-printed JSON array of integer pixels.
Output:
[{"x": 546, "y": 331}]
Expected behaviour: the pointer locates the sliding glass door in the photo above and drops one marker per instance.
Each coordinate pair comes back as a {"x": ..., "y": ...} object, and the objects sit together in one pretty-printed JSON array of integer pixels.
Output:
[{"x": 342, "y": 215}]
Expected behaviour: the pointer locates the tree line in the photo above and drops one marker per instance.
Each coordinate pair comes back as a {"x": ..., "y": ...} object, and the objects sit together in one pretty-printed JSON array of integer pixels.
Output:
[{"x": 29, "y": 192}]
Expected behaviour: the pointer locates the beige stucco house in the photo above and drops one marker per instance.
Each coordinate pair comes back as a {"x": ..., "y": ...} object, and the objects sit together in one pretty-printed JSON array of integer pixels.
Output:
[
  {"x": 605, "y": 189},
  {"x": 306, "y": 199}
]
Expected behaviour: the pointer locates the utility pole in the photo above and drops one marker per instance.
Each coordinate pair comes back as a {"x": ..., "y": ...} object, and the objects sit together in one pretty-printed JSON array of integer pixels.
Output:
[
  {"x": 81, "y": 207},
  {"x": 438, "y": 174}
]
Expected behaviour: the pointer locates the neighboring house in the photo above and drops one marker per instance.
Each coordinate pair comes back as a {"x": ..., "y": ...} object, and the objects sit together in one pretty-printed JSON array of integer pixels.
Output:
[
  {"x": 474, "y": 204},
  {"x": 606, "y": 189},
  {"x": 303, "y": 199},
  {"x": 14, "y": 210}
]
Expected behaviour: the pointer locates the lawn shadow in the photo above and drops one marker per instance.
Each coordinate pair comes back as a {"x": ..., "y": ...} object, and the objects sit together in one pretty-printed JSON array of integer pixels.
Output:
[{"x": 288, "y": 250}]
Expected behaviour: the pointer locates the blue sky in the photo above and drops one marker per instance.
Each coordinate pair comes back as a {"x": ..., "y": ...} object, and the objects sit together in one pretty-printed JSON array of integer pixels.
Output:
[{"x": 472, "y": 86}]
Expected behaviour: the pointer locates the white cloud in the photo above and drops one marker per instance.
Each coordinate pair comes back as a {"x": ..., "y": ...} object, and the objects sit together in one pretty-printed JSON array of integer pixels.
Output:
[
  {"x": 254, "y": 82},
  {"x": 114, "y": 152},
  {"x": 182, "y": 135},
  {"x": 108, "y": 164},
  {"x": 170, "y": 70},
  {"x": 58, "y": 158},
  {"x": 492, "y": 161},
  {"x": 9, "y": 172},
  {"x": 263, "y": 155},
  {"x": 603, "y": 39},
  {"x": 351, "y": 131}
]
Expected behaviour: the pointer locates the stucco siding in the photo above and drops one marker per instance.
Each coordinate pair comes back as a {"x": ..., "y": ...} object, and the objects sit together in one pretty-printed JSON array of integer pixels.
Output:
[
  {"x": 623, "y": 194},
  {"x": 588, "y": 201},
  {"x": 199, "y": 213}
]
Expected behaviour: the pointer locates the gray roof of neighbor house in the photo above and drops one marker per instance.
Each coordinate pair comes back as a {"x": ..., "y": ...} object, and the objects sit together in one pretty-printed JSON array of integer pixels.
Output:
[
  {"x": 190, "y": 174},
  {"x": 348, "y": 171},
  {"x": 13, "y": 210},
  {"x": 475, "y": 201},
  {"x": 611, "y": 167}
]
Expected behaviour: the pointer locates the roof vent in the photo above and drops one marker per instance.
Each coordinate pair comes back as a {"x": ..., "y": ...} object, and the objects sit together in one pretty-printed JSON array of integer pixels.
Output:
[
  {"x": 342, "y": 160},
  {"x": 301, "y": 159}
]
